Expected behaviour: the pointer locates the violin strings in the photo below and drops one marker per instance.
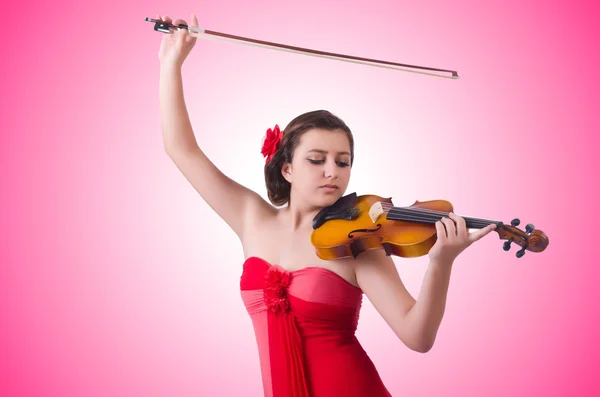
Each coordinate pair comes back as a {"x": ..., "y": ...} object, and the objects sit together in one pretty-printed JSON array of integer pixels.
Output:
[
  {"x": 424, "y": 214},
  {"x": 390, "y": 207},
  {"x": 410, "y": 214},
  {"x": 433, "y": 219},
  {"x": 409, "y": 217}
]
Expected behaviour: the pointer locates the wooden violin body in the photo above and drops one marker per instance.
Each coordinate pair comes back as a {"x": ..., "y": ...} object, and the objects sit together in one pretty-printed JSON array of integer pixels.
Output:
[{"x": 358, "y": 223}]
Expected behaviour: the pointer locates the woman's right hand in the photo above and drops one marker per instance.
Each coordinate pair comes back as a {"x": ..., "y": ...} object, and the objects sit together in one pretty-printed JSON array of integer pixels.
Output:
[{"x": 175, "y": 47}]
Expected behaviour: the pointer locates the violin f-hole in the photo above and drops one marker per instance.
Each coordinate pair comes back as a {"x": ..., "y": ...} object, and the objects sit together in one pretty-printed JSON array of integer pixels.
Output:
[{"x": 364, "y": 230}]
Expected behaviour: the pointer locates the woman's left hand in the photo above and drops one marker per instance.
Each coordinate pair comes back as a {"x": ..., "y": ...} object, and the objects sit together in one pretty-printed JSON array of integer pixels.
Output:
[{"x": 453, "y": 238}]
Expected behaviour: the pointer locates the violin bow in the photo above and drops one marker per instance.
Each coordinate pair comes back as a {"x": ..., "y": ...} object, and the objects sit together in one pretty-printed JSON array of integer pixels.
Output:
[{"x": 168, "y": 28}]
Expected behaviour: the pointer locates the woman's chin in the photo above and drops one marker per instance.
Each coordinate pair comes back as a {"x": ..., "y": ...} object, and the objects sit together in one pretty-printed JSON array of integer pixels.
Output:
[{"x": 328, "y": 199}]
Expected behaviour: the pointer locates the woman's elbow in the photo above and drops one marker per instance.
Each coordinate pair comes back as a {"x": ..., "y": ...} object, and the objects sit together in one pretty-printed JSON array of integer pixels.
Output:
[
  {"x": 423, "y": 345},
  {"x": 417, "y": 343}
]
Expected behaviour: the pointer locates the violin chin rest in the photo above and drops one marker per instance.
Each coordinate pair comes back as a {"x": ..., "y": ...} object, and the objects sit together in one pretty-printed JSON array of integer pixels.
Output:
[{"x": 338, "y": 210}]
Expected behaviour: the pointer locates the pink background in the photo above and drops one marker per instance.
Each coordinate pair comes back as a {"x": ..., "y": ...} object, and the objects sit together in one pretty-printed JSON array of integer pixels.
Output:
[{"x": 118, "y": 280}]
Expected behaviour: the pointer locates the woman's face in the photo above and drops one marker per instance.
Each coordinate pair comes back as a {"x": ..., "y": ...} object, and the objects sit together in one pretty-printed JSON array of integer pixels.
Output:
[{"x": 321, "y": 158}]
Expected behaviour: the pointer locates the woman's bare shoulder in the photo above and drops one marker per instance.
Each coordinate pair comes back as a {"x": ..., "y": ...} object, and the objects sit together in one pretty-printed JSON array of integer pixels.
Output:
[{"x": 261, "y": 222}]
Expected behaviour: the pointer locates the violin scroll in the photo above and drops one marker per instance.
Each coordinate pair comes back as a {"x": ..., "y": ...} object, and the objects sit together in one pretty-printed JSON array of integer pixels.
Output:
[{"x": 529, "y": 240}]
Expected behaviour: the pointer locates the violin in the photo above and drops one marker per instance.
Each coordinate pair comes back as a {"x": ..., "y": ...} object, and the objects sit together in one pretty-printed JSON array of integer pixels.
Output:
[{"x": 354, "y": 224}]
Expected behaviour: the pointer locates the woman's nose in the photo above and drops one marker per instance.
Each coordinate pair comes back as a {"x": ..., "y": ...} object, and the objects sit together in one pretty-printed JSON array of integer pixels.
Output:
[{"x": 331, "y": 169}]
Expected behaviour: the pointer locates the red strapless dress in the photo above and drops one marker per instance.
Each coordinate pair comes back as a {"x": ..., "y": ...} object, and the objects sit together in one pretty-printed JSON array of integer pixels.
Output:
[{"x": 305, "y": 323}]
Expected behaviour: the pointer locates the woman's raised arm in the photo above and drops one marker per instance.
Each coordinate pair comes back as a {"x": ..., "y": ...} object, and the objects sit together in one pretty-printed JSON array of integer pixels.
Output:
[{"x": 237, "y": 205}]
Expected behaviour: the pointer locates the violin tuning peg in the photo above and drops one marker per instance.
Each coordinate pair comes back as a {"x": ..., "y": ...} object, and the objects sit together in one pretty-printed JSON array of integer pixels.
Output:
[
  {"x": 529, "y": 228},
  {"x": 515, "y": 222},
  {"x": 520, "y": 252},
  {"x": 507, "y": 244}
]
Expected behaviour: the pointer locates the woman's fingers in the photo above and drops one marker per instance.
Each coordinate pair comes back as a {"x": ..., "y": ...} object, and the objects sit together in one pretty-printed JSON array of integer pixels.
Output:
[
  {"x": 461, "y": 225},
  {"x": 441, "y": 231},
  {"x": 179, "y": 21},
  {"x": 477, "y": 235},
  {"x": 450, "y": 228}
]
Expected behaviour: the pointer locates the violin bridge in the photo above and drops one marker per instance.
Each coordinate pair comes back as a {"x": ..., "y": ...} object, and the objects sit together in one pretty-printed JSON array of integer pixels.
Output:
[{"x": 376, "y": 211}]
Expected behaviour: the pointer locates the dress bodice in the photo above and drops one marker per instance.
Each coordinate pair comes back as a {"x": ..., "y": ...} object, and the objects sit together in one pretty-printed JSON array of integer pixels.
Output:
[{"x": 305, "y": 322}]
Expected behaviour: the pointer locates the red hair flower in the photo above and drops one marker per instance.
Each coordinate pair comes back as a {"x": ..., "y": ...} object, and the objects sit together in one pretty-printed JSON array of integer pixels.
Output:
[
  {"x": 277, "y": 280},
  {"x": 271, "y": 142}
]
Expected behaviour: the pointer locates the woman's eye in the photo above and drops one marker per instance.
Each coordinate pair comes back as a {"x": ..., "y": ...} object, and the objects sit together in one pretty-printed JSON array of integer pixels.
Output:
[{"x": 340, "y": 163}]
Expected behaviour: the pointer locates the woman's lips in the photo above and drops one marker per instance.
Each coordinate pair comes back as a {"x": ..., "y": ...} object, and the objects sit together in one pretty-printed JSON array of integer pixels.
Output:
[{"x": 329, "y": 188}]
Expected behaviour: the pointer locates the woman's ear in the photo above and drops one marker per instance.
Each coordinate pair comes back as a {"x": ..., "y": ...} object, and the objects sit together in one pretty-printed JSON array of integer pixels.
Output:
[{"x": 286, "y": 171}]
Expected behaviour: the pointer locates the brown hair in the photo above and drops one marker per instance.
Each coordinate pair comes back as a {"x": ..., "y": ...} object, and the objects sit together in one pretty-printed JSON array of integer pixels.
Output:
[{"x": 278, "y": 188}]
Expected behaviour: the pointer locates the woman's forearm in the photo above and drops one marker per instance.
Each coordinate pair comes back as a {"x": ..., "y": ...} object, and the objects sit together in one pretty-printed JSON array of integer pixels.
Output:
[
  {"x": 425, "y": 317},
  {"x": 175, "y": 121}
]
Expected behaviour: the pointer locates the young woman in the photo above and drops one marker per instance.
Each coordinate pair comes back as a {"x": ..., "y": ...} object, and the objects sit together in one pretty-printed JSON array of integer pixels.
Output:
[{"x": 305, "y": 310}]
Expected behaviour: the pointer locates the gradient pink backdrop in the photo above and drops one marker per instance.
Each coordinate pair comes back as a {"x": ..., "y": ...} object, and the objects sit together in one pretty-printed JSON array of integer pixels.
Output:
[{"x": 118, "y": 280}]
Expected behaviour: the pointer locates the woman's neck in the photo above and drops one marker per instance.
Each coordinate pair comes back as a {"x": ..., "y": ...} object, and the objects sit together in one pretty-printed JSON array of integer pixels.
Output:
[{"x": 298, "y": 218}]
